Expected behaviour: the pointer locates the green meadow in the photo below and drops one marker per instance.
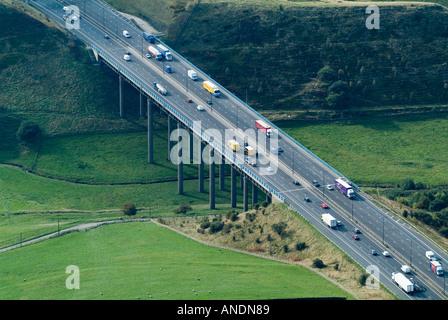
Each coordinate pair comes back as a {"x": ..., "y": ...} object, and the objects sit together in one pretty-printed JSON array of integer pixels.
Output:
[{"x": 144, "y": 261}]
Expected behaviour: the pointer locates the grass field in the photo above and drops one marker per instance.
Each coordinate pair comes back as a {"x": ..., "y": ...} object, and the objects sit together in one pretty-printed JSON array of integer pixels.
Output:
[
  {"x": 136, "y": 260},
  {"x": 381, "y": 151},
  {"x": 23, "y": 192}
]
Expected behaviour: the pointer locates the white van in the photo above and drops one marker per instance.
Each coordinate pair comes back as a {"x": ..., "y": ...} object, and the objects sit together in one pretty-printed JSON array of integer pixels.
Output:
[
  {"x": 192, "y": 74},
  {"x": 126, "y": 34}
]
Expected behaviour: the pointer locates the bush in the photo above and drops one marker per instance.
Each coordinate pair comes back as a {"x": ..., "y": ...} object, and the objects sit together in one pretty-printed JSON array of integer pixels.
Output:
[
  {"x": 216, "y": 226},
  {"x": 29, "y": 132},
  {"x": 437, "y": 205},
  {"x": 363, "y": 278},
  {"x": 444, "y": 232},
  {"x": 301, "y": 246},
  {"x": 326, "y": 74},
  {"x": 319, "y": 264},
  {"x": 406, "y": 184},
  {"x": 279, "y": 228},
  {"x": 129, "y": 209},
  {"x": 183, "y": 208}
]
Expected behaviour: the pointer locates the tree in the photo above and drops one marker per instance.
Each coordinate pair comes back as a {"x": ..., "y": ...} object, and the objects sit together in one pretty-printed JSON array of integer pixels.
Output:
[
  {"x": 407, "y": 184},
  {"x": 437, "y": 205},
  {"x": 338, "y": 94},
  {"x": 183, "y": 208},
  {"x": 29, "y": 132},
  {"x": 279, "y": 227},
  {"x": 317, "y": 263},
  {"x": 129, "y": 209},
  {"x": 326, "y": 74}
]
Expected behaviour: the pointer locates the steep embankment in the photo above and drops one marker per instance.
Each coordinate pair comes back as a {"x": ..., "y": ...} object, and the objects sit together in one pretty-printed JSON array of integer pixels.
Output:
[{"x": 272, "y": 54}]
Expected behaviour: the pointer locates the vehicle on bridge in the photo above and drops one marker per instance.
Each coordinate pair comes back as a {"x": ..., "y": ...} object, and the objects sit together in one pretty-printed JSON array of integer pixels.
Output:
[
  {"x": 329, "y": 220},
  {"x": 154, "y": 52},
  {"x": 248, "y": 150},
  {"x": 165, "y": 52},
  {"x": 213, "y": 89},
  {"x": 126, "y": 34},
  {"x": 160, "y": 88},
  {"x": 404, "y": 283},
  {"x": 345, "y": 187},
  {"x": 234, "y": 145},
  {"x": 264, "y": 127},
  {"x": 192, "y": 74},
  {"x": 436, "y": 267},
  {"x": 149, "y": 37}
]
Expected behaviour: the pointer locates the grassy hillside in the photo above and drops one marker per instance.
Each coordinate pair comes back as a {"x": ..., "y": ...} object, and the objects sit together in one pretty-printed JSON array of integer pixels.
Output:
[
  {"x": 255, "y": 231},
  {"x": 272, "y": 51},
  {"x": 143, "y": 261}
]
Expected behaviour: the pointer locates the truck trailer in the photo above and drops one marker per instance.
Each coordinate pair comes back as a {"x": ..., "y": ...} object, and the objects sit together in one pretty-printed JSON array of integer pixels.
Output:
[
  {"x": 345, "y": 187},
  {"x": 436, "y": 267},
  {"x": 165, "y": 52},
  {"x": 404, "y": 283},
  {"x": 213, "y": 89},
  {"x": 264, "y": 127},
  {"x": 154, "y": 52},
  {"x": 160, "y": 88},
  {"x": 329, "y": 220},
  {"x": 234, "y": 145}
]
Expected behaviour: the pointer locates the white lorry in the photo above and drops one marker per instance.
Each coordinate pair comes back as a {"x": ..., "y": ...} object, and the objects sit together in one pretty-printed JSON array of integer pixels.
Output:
[
  {"x": 329, "y": 220},
  {"x": 404, "y": 283},
  {"x": 430, "y": 255},
  {"x": 193, "y": 75},
  {"x": 160, "y": 88}
]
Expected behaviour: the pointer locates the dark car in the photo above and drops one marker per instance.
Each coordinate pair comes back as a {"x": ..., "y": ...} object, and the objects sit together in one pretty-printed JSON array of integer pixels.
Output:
[
  {"x": 316, "y": 183},
  {"x": 296, "y": 182},
  {"x": 307, "y": 199},
  {"x": 356, "y": 230}
]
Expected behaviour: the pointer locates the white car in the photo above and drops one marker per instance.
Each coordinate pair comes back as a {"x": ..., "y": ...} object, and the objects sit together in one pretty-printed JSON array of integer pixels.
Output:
[
  {"x": 329, "y": 187},
  {"x": 200, "y": 108},
  {"x": 386, "y": 253},
  {"x": 126, "y": 57},
  {"x": 126, "y": 34},
  {"x": 269, "y": 169}
]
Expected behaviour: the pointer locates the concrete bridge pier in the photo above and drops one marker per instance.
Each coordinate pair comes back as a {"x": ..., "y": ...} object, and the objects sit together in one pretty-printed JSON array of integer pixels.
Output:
[
  {"x": 149, "y": 112},
  {"x": 222, "y": 174},
  {"x": 142, "y": 104},
  {"x": 254, "y": 194},
  {"x": 201, "y": 166},
  {"x": 171, "y": 124},
  {"x": 180, "y": 166},
  {"x": 121, "y": 95},
  {"x": 212, "y": 179},
  {"x": 233, "y": 187},
  {"x": 245, "y": 194}
]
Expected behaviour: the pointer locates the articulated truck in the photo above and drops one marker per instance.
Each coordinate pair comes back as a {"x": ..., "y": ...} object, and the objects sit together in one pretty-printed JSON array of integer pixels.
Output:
[
  {"x": 155, "y": 53},
  {"x": 345, "y": 187},
  {"x": 210, "y": 87},
  {"x": 404, "y": 283},
  {"x": 436, "y": 267},
  {"x": 165, "y": 52},
  {"x": 264, "y": 127},
  {"x": 160, "y": 88}
]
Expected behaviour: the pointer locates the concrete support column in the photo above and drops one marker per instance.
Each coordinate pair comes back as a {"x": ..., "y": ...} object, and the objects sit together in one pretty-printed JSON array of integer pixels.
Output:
[
  {"x": 212, "y": 179},
  {"x": 241, "y": 180},
  {"x": 254, "y": 194},
  {"x": 268, "y": 198},
  {"x": 222, "y": 175},
  {"x": 121, "y": 95},
  {"x": 171, "y": 124},
  {"x": 150, "y": 130},
  {"x": 201, "y": 167},
  {"x": 180, "y": 166},
  {"x": 233, "y": 187},
  {"x": 245, "y": 194},
  {"x": 142, "y": 104}
]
